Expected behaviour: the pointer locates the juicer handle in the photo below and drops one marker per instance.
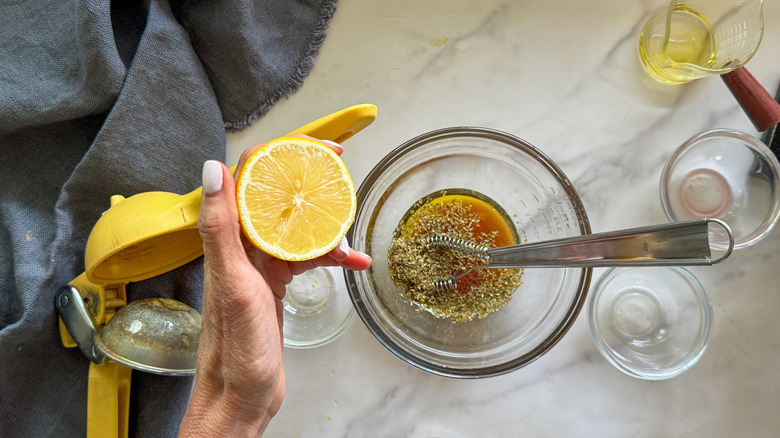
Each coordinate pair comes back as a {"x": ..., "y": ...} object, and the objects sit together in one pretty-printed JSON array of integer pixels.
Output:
[
  {"x": 108, "y": 400},
  {"x": 339, "y": 126},
  {"x": 761, "y": 108}
]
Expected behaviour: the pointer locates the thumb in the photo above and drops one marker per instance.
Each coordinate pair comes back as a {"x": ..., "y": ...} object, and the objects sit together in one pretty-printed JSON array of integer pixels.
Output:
[{"x": 218, "y": 219}]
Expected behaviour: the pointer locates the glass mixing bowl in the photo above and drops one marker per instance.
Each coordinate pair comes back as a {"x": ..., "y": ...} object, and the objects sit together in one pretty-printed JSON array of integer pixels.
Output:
[{"x": 542, "y": 204}]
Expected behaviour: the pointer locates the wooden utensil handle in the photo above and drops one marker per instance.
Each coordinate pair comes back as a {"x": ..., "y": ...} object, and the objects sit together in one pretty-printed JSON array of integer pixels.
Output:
[{"x": 762, "y": 109}]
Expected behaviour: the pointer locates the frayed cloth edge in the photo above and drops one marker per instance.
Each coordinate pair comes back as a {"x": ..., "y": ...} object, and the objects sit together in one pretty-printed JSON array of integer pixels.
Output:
[{"x": 301, "y": 71}]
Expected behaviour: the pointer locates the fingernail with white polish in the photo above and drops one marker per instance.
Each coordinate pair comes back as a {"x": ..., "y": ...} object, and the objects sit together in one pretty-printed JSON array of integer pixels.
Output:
[
  {"x": 344, "y": 246},
  {"x": 212, "y": 177}
]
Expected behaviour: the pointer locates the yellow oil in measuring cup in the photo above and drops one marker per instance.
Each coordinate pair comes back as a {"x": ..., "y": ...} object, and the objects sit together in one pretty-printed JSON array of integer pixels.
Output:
[
  {"x": 691, "y": 39},
  {"x": 690, "y": 42}
]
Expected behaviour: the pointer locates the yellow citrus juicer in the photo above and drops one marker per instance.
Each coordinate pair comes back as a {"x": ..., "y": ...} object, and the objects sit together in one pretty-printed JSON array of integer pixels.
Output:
[{"x": 137, "y": 238}]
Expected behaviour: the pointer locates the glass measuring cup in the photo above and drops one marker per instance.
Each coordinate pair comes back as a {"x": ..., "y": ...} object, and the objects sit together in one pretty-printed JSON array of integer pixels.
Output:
[{"x": 691, "y": 39}]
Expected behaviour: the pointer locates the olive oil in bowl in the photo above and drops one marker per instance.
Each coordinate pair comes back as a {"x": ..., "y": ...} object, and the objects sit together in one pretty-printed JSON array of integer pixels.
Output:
[{"x": 415, "y": 264}]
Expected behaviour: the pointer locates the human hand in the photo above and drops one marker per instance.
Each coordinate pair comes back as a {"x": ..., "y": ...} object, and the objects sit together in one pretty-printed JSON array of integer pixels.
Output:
[{"x": 239, "y": 379}]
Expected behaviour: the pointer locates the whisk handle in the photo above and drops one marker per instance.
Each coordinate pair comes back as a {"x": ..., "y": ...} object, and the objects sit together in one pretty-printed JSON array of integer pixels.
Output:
[{"x": 677, "y": 243}]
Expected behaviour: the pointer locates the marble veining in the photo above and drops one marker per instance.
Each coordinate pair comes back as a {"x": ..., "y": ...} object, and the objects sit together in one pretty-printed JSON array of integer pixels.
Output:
[{"x": 565, "y": 76}]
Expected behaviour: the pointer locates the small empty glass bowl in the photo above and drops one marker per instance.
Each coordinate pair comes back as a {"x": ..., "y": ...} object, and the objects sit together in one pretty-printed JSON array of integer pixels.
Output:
[
  {"x": 542, "y": 205},
  {"x": 316, "y": 308},
  {"x": 650, "y": 322},
  {"x": 728, "y": 175}
]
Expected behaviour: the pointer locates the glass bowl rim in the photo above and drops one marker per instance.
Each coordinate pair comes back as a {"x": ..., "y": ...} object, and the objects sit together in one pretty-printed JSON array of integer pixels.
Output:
[{"x": 345, "y": 324}]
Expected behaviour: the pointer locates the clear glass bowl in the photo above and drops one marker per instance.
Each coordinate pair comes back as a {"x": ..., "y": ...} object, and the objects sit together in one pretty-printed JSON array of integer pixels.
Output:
[
  {"x": 316, "y": 308},
  {"x": 728, "y": 175},
  {"x": 543, "y": 205},
  {"x": 652, "y": 323}
]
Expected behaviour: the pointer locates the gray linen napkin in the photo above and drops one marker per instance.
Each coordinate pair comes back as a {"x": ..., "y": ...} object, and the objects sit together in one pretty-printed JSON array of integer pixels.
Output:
[{"x": 100, "y": 98}]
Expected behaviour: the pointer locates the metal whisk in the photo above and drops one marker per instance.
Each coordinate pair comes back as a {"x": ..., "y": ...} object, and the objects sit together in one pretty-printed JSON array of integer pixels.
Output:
[{"x": 684, "y": 243}]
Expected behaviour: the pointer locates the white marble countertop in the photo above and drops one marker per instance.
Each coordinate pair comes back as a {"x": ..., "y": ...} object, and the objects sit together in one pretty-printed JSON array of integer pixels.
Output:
[{"x": 565, "y": 76}]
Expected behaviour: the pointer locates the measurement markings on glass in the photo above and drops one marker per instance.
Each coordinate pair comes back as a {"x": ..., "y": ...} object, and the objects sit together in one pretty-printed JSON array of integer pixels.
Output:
[
  {"x": 533, "y": 225},
  {"x": 546, "y": 220},
  {"x": 561, "y": 220},
  {"x": 530, "y": 218}
]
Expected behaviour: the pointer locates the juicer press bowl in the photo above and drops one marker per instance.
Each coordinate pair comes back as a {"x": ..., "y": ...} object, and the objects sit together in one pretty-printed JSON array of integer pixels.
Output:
[{"x": 542, "y": 204}]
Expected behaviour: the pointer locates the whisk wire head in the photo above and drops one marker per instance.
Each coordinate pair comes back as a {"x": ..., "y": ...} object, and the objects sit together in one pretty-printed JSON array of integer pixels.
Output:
[
  {"x": 447, "y": 285},
  {"x": 459, "y": 244},
  {"x": 456, "y": 244}
]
